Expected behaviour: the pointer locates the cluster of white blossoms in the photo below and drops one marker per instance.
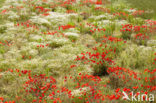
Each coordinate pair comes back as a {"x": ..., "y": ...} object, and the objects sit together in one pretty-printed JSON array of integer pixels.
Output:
[
  {"x": 104, "y": 22},
  {"x": 53, "y": 19},
  {"x": 30, "y": 64},
  {"x": 11, "y": 1},
  {"x": 5, "y": 7},
  {"x": 104, "y": 16},
  {"x": 71, "y": 34},
  {"x": 12, "y": 15},
  {"x": 78, "y": 92},
  {"x": 59, "y": 18},
  {"x": 151, "y": 43},
  {"x": 60, "y": 41},
  {"x": 50, "y": 38},
  {"x": 33, "y": 52},
  {"x": 146, "y": 49},
  {"x": 130, "y": 10},
  {"x": 35, "y": 37},
  {"x": 73, "y": 30},
  {"x": 39, "y": 20},
  {"x": 120, "y": 22}
]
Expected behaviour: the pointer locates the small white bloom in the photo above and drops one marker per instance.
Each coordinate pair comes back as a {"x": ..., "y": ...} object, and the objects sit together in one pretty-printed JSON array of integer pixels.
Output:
[
  {"x": 78, "y": 92},
  {"x": 33, "y": 52},
  {"x": 130, "y": 10},
  {"x": 71, "y": 34},
  {"x": 39, "y": 20}
]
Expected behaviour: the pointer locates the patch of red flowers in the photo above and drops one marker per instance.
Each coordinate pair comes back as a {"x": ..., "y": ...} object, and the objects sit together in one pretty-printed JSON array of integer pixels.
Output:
[
  {"x": 64, "y": 27},
  {"x": 138, "y": 12},
  {"x": 7, "y": 43},
  {"x": 141, "y": 36}
]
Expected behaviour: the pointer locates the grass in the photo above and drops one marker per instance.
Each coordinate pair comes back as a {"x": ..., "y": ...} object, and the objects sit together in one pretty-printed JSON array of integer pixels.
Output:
[{"x": 1, "y": 2}]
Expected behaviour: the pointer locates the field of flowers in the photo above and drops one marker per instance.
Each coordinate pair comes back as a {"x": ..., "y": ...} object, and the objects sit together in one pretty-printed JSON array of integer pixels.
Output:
[{"x": 76, "y": 51}]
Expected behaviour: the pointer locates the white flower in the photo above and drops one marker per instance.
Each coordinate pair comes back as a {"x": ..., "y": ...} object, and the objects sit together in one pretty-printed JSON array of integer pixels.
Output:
[
  {"x": 106, "y": 15},
  {"x": 9, "y": 24},
  {"x": 5, "y": 7},
  {"x": 12, "y": 15},
  {"x": 33, "y": 14},
  {"x": 33, "y": 52},
  {"x": 73, "y": 30},
  {"x": 101, "y": 17},
  {"x": 24, "y": 12},
  {"x": 59, "y": 18},
  {"x": 33, "y": 63},
  {"x": 151, "y": 42},
  {"x": 103, "y": 22},
  {"x": 36, "y": 37},
  {"x": 60, "y": 9},
  {"x": 39, "y": 20},
  {"x": 10, "y": 1},
  {"x": 62, "y": 40},
  {"x": 58, "y": 41},
  {"x": 120, "y": 22},
  {"x": 71, "y": 34},
  {"x": 130, "y": 10},
  {"x": 17, "y": 4},
  {"x": 12, "y": 29},
  {"x": 50, "y": 38}
]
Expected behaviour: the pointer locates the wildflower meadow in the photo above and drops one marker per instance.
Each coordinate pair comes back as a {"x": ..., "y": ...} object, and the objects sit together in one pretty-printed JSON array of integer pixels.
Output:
[{"x": 77, "y": 51}]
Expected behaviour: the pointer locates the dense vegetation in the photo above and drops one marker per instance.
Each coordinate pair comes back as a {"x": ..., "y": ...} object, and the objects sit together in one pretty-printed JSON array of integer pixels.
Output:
[
  {"x": 77, "y": 51},
  {"x": 148, "y": 5}
]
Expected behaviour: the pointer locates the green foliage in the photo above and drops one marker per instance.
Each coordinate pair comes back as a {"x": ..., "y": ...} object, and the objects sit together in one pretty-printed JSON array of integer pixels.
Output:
[
  {"x": 2, "y": 49},
  {"x": 83, "y": 29},
  {"x": 100, "y": 70},
  {"x": 135, "y": 57},
  {"x": 116, "y": 82},
  {"x": 98, "y": 35},
  {"x": 55, "y": 45},
  {"x": 1, "y": 2},
  {"x": 109, "y": 29},
  {"x": 3, "y": 29},
  {"x": 72, "y": 38},
  {"x": 126, "y": 36}
]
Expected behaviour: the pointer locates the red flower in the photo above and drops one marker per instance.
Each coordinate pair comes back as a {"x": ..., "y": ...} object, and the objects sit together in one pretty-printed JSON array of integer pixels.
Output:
[
  {"x": 1, "y": 98},
  {"x": 99, "y": 2},
  {"x": 24, "y": 71},
  {"x": 34, "y": 100},
  {"x": 45, "y": 14},
  {"x": 117, "y": 90},
  {"x": 135, "y": 87},
  {"x": 72, "y": 66}
]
